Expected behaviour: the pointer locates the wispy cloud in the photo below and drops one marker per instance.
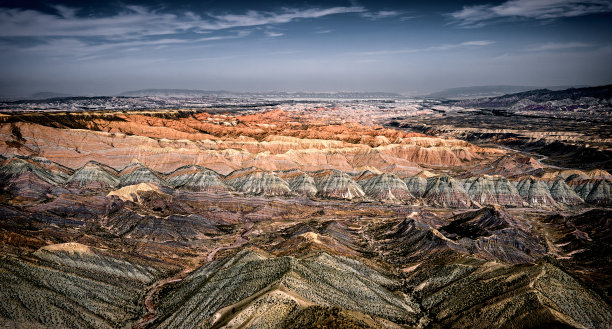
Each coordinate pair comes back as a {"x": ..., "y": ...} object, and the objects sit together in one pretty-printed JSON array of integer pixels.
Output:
[
  {"x": 66, "y": 33},
  {"x": 550, "y": 46},
  {"x": 466, "y": 44},
  {"x": 255, "y": 18},
  {"x": 133, "y": 21},
  {"x": 481, "y": 15},
  {"x": 271, "y": 34},
  {"x": 381, "y": 14},
  {"x": 82, "y": 49},
  {"x": 137, "y": 21},
  {"x": 408, "y": 17}
]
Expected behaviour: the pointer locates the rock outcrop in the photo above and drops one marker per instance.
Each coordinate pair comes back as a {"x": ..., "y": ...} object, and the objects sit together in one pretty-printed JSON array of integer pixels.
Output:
[
  {"x": 27, "y": 180},
  {"x": 132, "y": 192},
  {"x": 564, "y": 194},
  {"x": 600, "y": 193},
  {"x": 137, "y": 173},
  {"x": 535, "y": 192},
  {"x": 594, "y": 186},
  {"x": 493, "y": 190},
  {"x": 300, "y": 183},
  {"x": 416, "y": 185},
  {"x": 337, "y": 185},
  {"x": 495, "y": 234},
  {"x": 481, "y": 222},
  {"x": 512, "y": 165},
  {"x": 94, "y": 175},
  {"x": 15, "y": 167},
  {"x": 414, "y": 240},
  {"x": 445, "y": 191},
  {"x": 255, "y": 181},
  {"x": 385, "y": 187},
  {"x": 599, "y": 174},
  {"x": 196, "y": 178}
]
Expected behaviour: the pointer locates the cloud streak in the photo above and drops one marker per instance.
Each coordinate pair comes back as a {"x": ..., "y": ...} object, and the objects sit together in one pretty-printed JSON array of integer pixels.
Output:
[
  {"x": 466, "y": 44},
  {"x": 256, "y": 18},
  {"x": 551, "y": 46},
  {"x": 138, "y": 21},
  {"x": 380, "y": 14},
  {"x": 481, "y": 15},
  {"x": 83, "y": 49},
  {"x": 65, "y": 33},
  {"x": 271, "y": 34}
]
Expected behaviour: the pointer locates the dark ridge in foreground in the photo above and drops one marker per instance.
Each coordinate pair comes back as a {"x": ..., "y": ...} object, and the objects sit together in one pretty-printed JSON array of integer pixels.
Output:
[{"x": 72, "y": 285}]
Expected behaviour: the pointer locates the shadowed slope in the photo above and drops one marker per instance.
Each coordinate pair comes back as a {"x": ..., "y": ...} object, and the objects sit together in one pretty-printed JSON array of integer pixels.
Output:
[
  {"x": 228, "y": 291},
  {"x": 71, "y": 286}
]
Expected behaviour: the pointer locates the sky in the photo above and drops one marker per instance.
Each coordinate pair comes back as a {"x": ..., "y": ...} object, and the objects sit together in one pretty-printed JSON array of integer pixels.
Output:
[{"x": 411, "y": 47}]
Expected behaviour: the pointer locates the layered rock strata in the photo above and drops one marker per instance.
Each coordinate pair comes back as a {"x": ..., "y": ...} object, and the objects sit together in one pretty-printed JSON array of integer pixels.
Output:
[
  {"x": 385, "y": 187},
  {"x": 30, "y": 179}
]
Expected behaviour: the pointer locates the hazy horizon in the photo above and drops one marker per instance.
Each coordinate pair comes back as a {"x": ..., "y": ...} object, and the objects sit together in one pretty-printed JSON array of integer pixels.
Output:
[
  {"x": 272, "y": 91},
  {"x": 88, "y": 48}
]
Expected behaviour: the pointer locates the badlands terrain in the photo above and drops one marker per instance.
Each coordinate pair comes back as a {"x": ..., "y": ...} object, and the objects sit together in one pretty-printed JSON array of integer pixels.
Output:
[{"x": 391, "y": 213}]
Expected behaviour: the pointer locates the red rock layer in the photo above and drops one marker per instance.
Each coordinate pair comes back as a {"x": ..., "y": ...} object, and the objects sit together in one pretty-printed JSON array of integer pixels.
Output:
[{"x": 274, "y": 140}]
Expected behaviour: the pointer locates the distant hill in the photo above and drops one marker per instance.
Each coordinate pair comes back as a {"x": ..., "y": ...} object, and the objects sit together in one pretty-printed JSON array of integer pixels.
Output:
[
  {"x": 48, "y": 94},
  {"x": 173, "y": 93},
  {"x": 478, "y": 91},
  {"x": 485, "y": 91},
  {"x": 541, "y": 95},
  {"x": 340, "y": 94},
  {"x": 268, "y": 94}
]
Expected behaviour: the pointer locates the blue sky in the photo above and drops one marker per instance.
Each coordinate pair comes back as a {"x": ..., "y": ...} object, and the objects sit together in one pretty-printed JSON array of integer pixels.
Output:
[{"x": 88, "y": 48}]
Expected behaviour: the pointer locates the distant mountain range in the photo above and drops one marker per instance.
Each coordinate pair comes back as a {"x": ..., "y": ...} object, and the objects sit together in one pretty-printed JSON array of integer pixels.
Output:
[
  {"x": 460, "y": 93},
  {"x": 49, "y": 94},
  {"x": 600, "y": 93},
  {"x": 486, "y": 91},
  {"x": 194, "y": 93},
  {"x": 340, "y": 94},
  {"x": 174, "y": 93},
  {"x": 180, "y": 93}
]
